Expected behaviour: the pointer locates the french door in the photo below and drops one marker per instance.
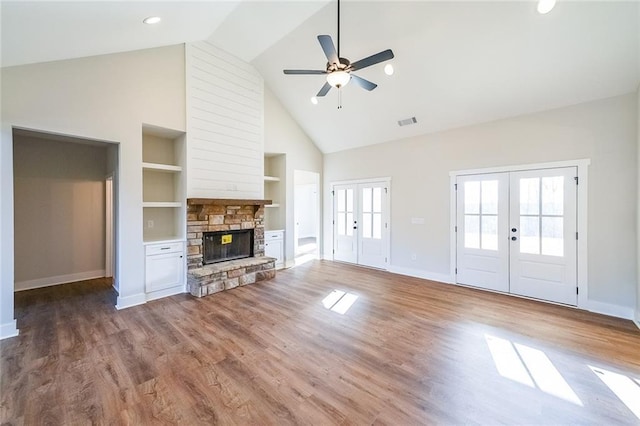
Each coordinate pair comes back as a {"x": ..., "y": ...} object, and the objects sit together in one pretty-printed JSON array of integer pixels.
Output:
[
  {"x": 361, "y": 223},
  {"x": 516, "y": 233}
]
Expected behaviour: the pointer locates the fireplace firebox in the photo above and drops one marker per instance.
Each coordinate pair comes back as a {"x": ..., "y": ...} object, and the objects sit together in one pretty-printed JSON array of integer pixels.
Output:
[{"x": 227, "y": 245}]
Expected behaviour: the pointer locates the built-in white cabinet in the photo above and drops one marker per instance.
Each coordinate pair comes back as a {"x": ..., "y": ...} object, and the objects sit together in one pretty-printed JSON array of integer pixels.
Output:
[
  {"x": 164, "y": 269},
  {"x": 163, "y": 193},
  {"x": 275, "y": 190},
  {"x": 274, "y": 246}
]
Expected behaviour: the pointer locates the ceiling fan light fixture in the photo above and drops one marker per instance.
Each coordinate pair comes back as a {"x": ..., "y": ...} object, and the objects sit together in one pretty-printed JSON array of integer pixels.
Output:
[
  {"x": 338, "y": 79},
  {"x": 388, "y": 69},
  {"x": 314, "y": 100},
  {"x": 545, "y": 6}
]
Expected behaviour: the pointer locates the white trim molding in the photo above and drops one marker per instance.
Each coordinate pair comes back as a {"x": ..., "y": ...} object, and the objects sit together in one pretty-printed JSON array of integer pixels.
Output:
[
  {"x": 418, "y": 273},
  {"x": 58, "y": 279},
  {"x": 125, "y": 302},
  {"x": 9, "y": 329},
  {"x": 608, "y": 309}
]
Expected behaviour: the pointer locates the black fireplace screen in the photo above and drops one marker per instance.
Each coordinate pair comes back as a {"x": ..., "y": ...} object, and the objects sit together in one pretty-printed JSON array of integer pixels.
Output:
[{"x": 227, "y": 245}]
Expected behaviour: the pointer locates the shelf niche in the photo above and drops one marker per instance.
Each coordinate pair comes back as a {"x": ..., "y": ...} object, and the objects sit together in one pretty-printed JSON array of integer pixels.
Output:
[
  {"x": 163, "y": 185},
  {"x": 275, "y": 190}
]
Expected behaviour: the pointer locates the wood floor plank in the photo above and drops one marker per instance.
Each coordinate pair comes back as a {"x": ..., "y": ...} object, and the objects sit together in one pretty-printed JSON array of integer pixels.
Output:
[{"x": 408, "y": 351}]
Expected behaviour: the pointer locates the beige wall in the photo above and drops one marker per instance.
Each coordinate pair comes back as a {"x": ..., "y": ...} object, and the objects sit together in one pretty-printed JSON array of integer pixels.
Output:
[
  {"x": 105, "y": 98},
  {"x": 283, "y": 135},
  {"x": 603, "y": 131},
  {"x": 59, "y": 206}
]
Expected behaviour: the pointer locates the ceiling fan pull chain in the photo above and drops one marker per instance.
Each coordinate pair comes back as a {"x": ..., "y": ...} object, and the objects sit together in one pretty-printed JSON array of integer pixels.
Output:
[{"x": 339, "y": 98}]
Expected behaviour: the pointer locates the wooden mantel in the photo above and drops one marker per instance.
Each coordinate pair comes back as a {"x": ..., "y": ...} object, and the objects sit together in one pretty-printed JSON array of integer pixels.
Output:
[
  {"x": 225, "y": 202},
  {"x": 202, "y": 204}
]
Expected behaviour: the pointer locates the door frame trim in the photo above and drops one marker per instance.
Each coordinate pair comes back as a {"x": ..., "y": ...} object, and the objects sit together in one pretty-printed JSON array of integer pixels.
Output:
[
  {"x": 581, "y": 210},
  {"x": 332, "y": 185}
]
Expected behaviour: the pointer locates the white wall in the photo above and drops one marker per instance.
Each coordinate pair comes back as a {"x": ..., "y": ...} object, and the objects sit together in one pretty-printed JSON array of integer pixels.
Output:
[
  {"x": 604, "y": 131},
  {"x": 59, "y": 211},
  {"x": 224, "y": 125},
  {"x": 283, "y": 135},
  {"x": 638, "y": 213},
  {"x": 106, "y": 98}
]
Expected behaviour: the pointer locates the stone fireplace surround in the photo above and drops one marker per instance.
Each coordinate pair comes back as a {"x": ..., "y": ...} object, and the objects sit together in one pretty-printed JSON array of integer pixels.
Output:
[{"x": 214, "y": 214}]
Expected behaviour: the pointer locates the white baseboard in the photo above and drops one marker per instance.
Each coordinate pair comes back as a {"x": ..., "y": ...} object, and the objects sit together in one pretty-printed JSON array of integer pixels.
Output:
[
  {"x": 59, "y": 279},
  {"x": 165, "y": 293},
  {"x": 8, "y": 329},
  {"x": 418, "y": 273},
  {"x": 637, "y": 323},
  {"x": 608, "y": 309},
  {"x": 125, "y": 302}
]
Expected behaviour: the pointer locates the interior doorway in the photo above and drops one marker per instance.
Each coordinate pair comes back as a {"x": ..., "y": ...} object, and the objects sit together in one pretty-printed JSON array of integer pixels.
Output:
[
  {"x": 65, "y": 204},
  {"x": 306, "y": 207}
]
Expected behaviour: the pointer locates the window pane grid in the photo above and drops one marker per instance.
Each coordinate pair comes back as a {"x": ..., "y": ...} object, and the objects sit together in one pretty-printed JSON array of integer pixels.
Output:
[
  {"x": 481, "y": 215},
  {"x": 537, "y": 235}
]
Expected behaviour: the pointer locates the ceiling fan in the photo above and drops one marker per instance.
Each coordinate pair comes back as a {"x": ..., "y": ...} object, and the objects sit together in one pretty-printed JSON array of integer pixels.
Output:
[{"x": 339, "y": 71}]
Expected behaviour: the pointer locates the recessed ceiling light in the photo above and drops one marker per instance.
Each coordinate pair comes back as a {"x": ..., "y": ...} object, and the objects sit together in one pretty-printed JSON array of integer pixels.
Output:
[
  {"x": 314, "y": 100},
  {"x": 388, "y": 69},
  {"x": 152, "y": 20},
  {"x": 545, "y": 6}
]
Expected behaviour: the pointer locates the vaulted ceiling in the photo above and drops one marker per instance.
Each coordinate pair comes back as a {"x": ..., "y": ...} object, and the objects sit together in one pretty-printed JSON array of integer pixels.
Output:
[{"x": 457, "y": 63}]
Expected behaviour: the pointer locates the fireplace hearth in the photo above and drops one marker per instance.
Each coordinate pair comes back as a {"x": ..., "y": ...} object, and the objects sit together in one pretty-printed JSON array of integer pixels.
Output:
[{"x": 221, "y": 246}]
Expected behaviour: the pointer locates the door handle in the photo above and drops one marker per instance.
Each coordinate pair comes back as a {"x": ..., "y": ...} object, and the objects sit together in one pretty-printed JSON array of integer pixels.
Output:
[
  {"x": 514, "y": 238},
  {"x": 514, "y": 230}
]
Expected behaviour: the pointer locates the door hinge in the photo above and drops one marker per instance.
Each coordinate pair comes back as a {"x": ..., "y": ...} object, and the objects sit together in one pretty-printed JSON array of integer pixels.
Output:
[
  {"x": 333, "y": 222},
  {"x": 576, "y": 235},
  {"x": 333, "y": 251},
  {"x": 455, "y": 186},
  {"x": 577, "y": 290},
  {"x": 385, "y": 190},
  {"x": 386, "y": 225},
  {"x": 455, "y": 229},
  {"x": 333, "y": 192},
  {"x": 456, "y": 271},
  {"x": 576, "y": 178},
  {"x": 385, "y": 260}
]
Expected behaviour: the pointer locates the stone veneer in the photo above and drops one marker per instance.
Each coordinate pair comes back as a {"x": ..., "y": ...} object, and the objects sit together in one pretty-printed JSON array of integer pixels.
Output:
[{"x": 211, "y": 215}]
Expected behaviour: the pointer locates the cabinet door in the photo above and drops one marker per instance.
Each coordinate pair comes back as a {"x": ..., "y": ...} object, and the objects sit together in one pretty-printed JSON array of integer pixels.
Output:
[
  {"x": 275, "y": 248},
  {"x": 164, "y": 271}
]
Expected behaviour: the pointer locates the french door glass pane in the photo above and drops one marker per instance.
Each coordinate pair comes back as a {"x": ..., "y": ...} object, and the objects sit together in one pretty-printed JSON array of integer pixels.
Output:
[
  {"x": 366, "y": 199},
  {"x": 472, "y": 197},
  {"x": 530, "y": 234},
  {"x": 350, "y": 200},
  {"x": 553, "y": 195},
  {"x": 341, "y": 199},
  {"x": 377, "y": 200},
  {"x": 489, "y": 239},
  {"x": 553, "y": 236},
  {"x": 342, "y": 224},
  {"x": 366, "y": 225},
  {"x": 349, "y": 224},
  {"x": 472, "y": 231},
  {"x": 489, "y": 197},
  {"x": 377, "y": 225},
  {"x": 530, "y": 196}
]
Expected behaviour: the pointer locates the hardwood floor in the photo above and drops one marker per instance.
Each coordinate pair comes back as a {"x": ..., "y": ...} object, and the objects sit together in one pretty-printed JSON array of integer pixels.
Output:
[{"x": 407, "y": 351}]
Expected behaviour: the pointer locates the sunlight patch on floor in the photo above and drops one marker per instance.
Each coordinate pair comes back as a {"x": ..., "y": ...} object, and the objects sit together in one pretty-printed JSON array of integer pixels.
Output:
[
  {"x": 529, "y": 366},
  {"x": 625, "y": 389},
  {"x": 339, "y": 301}
]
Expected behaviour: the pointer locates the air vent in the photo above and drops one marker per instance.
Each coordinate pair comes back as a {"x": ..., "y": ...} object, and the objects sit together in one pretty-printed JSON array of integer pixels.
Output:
[{"x": 407, "y": 121}]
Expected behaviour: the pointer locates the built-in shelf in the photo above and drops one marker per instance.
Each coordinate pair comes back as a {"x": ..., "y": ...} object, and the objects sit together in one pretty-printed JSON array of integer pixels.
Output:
[
  {"x": 272, "y": 205},
  {"x": 157, "y": 204},
  {"x": 161, "y": 167},
  {"x": 271, "y": 179}
]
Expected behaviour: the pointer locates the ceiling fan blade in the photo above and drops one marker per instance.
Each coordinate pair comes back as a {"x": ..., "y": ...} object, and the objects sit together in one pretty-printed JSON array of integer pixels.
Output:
[
  {"x": 304, "y": 72},
  {"x": 329, "y": 48},
  {"x": 372, "y": 60},
  {"x": 325, "y": 89},
  {"x": 365, "y": 84}
]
